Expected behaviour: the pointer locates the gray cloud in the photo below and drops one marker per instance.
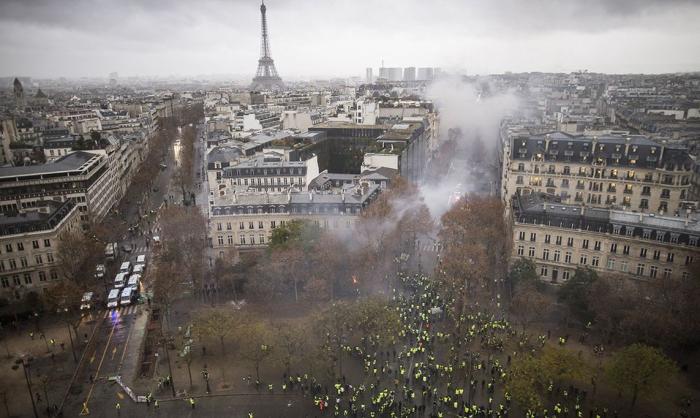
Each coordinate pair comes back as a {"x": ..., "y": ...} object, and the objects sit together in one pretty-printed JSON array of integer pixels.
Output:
[{"x": 341, "y": 37}]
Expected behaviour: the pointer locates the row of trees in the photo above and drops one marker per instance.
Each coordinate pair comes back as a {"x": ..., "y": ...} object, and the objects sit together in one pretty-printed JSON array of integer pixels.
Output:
[
  {"x": 636, "y": 370},
  {"x": 659, "y": 312},
  {"x": 314, "y": 343}
]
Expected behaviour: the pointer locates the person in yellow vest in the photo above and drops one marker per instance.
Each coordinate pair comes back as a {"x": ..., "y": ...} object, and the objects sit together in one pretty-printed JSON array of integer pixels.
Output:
[{"x": 192, "y": 403}]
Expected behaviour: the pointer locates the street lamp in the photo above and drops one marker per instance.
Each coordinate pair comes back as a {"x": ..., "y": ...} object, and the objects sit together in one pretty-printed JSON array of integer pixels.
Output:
[
  {"x": 205, "y": 376},
  {"x": 70, "y": 335},
  {"x": 26, "y": 362}
]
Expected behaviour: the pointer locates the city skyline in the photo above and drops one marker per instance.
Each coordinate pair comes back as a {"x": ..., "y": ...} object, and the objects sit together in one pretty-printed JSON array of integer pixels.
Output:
[{"x": 336, "y": 39}]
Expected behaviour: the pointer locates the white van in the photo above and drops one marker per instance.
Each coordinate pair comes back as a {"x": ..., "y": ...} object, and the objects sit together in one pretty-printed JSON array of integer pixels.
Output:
[
  {"x": 134, "y": 281},
  {"x": 113, "y": 299},
  {"x": 127, "y": 295},
  {"x": 139, "y": 268},
  {"x": 125, "y": 267},
  {"x": 141, "y": 259},
  {"x": 120, "y": 280}
]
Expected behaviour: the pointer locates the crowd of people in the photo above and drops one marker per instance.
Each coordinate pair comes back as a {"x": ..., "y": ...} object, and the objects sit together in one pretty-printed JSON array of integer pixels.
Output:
[{"x": 439, "y": 363}]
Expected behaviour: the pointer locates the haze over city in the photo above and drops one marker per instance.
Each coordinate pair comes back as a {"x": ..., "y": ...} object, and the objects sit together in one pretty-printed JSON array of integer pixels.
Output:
[{"x": 336, "y": 38}]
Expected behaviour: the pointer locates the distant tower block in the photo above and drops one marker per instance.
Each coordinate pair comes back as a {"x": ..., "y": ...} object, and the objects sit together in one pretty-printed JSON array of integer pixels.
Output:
[
  {"x": 266, "y": 77},
  {"x": 20, "y": 102}
]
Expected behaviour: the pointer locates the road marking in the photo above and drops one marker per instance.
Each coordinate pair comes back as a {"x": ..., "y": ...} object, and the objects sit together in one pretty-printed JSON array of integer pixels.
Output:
[
  {"x": 92, "y": 359},
  {"x": 114, "y": 351},
  {"x": 99, "y": 366}
]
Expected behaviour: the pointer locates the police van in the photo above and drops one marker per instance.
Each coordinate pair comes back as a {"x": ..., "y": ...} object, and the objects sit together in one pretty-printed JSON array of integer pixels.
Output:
[
  {"x": 113, "y": 298},
  {"x": 120, "y": 280},
  {"x": 127, "y": 296}
]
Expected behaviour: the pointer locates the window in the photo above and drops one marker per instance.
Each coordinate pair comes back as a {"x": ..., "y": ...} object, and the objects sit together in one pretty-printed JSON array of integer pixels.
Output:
[
  {"x": 273, "y": 224},
  {"x": 642, "y": 253},
  {"x": 623, "y": 266},
  {"x": 613, "y": 247},
  {"x": 667, "y": 273},
  {"x": 221, "y": 240},
  {"x": 685, "y": 275},
  {"x": 53, "y": 275},
  {"x": 611, "y": 264},
  {"x": 669, "y": 257},
  {"x": 583, "y": 260},
  {"x": 652, "y": 271},
  {"x": 567, "y": 257},
  {"x": 521, "y": 250},
  {"x": 565, "y": 275},
  {"x": 241, "y": 225},
  {"x": 218, "y": 226},
  {"x": 660, "y": 236},
  {"x": 251, "y": 225},
  {"x": 261, "y": 237},
  {"x": 252, "y": 239},
  {"x": 533, "y": 236},
  {"x": 12, "y": 263},
  {"x": 569, "y": 242},
  {"x": 545, "y": 254},
  {"x": 688, "y": 260},
  {"x": 8, "y": 248},
  {"x": 543, "y": 272},
  {"x": 595, "y": 261},
  {"x": 15, "y": 280},
  {"x": 531, "y": 252},
  {"x": 229, "y": 239},
  {"x": 35, "y": 244},
  {"x": 657, "y": 254},
  {"x": 2, "y": 265},
  {"x": 640, "y": 269},
  {"x": 228, "y": 226},
  {"x": 521, "y": 167},
  {"x": 519, "y": 180},
  {"x": 27, "y": 278},
  {"x": 557, "y": 255},
  {"x": 260, "y": 224},
  {"x": 42, "y": 276},
  {"x": 49, "y": 257},
  {"x": 39, "y": 259},
  {"x": 626, "y": 250},
  {"x": 584, "y": 244},
  {"x": 596, "y": 245},
  {"x": 558, "y": 241},
  {"x": 20, "y": 246},
  {"x": 547, "y": 239},
  {"x": 242, "y": 239},
  {"x": 521, "y": 235},
  {"x": 5, "y": 281}
]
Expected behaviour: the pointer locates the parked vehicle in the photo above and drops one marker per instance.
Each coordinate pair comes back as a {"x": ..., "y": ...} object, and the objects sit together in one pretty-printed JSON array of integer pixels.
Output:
[
  {"x": 111, "y": 251},
  {"x": 127, "y": 296},
  {"x": 113, "y": 298},
  {"x": 120, "y": 280},
  {"x": 135, "y": 281},
  {"x": 139, "y": 268},
  {"x": 100, "y": 271},
  {"x": 125, "y": 267},
  {"x": 86, "y": 303},
  {"x": 141, "y": 259}
]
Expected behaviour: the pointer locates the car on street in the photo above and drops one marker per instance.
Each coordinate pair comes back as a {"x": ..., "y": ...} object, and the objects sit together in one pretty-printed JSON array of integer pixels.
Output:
[
  {"x": 86, "y": 303},
  {"x": 99, "y": 271}
]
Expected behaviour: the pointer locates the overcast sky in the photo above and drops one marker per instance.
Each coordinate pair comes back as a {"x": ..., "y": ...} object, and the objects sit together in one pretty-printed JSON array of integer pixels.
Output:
[{"x": 312, "y": 38}]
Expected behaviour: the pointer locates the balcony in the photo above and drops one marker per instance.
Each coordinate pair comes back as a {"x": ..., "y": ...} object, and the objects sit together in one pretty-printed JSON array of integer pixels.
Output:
[{"x": 627, "y": 191}]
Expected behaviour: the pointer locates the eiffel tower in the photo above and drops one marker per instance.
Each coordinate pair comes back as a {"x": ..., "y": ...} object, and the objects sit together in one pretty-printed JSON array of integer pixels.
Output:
[{"x": 266, "y": 77}]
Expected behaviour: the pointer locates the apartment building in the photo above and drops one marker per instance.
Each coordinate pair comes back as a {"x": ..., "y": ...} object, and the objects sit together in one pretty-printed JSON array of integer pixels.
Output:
[
  {"x": 270, "y": 171},
  {"x": 627, "y": 172},
  {"x": 29, "y": 241},
  {"x": 559, "y": 238},
  {"x": 79, "y": 176},
  {"x": 246, "y": 220}
]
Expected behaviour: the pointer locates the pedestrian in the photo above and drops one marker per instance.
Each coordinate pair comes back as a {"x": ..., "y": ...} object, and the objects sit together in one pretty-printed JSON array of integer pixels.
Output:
[
  {"x": 192, "y": 403},
  {"x": 204, "y": 351},
  {"x": 155, "y": 404},
  {"x": 31, "y": 335},
  {"x": 118, "y": 407},
  {"x": 63, "y": 346}
]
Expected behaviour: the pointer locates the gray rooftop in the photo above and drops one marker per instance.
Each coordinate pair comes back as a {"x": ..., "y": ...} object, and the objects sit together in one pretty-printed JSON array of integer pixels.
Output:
[{"x": 75, "y": 161}]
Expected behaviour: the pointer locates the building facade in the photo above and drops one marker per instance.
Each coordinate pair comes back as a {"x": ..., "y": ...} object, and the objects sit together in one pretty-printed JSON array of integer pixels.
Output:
[
  {"x": 246, "y": 221},
  {"x": 559, "y": 238},
  {"x": 29, "y": 241},
  {"x": 612, "y": 171}
]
